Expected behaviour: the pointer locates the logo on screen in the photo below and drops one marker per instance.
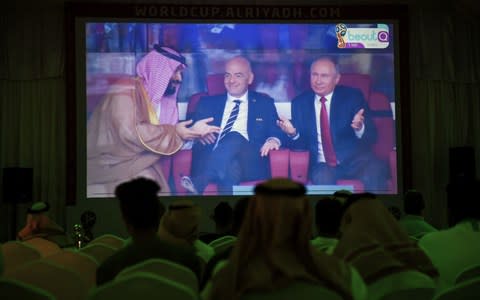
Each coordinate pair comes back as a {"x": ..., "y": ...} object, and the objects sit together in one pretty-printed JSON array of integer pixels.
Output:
[
  {"x": 341, "y": 30},
  {"x": 362, "y": 37}
]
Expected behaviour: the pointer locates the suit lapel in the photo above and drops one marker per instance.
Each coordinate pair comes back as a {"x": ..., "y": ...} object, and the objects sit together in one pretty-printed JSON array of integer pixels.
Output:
[
  {"x": 252, "y": 101},
  {"x": 334, "y": 117},
  {"x": 219, "y": 109},
  {"x": 311, "y": 115}
]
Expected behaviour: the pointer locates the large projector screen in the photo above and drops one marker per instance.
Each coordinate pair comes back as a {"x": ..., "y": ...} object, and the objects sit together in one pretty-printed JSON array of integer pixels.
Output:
[{"x": 280, "y": 43}]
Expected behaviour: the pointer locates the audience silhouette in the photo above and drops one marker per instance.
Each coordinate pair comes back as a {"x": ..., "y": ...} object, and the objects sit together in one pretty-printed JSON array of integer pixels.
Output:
[{"x": 140, "y": 210}]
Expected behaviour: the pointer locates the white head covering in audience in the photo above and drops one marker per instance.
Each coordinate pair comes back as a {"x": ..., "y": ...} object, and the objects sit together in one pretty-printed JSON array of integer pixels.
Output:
[
  {"x": 273, "y": 247},
  {"x": 39, "y": 224},
  {"x": 179, "y": 224},
  {"x": 375, "y": 244},
  {"x": 38, "y": 221}
]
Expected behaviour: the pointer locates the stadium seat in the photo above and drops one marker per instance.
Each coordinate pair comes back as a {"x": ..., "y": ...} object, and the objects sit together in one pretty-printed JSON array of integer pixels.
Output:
[
  {"x": 363, "y": 82},
  {"x": 80, "y": 263},
  {"x": 145, "y": 286},
  {"x": 14, "y": 289},
  {"x": 100, "y": 252},
  {"x": 109, "y": 239},
  {"x": 296, "y": 290},
  {"x": 165, "y": 268},
  {"x": 61, "y": 282},
  {"x": 466, "y": 290},
  {"x": 16, "y": 254},
  {"x": 44, "y": 247},
  {"x": 470, "y": 272}
]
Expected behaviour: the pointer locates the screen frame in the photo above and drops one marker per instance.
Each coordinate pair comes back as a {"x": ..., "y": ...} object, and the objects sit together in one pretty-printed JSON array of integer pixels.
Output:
[{"x": 237, "y": 14}]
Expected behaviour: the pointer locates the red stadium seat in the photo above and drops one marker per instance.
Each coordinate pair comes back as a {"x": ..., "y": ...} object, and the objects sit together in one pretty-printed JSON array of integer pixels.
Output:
[
  {"x": 295, "y": 164},
  {"x": 215, "y": 84},
  {"x": 386, "y": 137},
  {"x": 363, "y": 82},
  {"x": 299, "y": 161},
  {"x": 378, "y": 102},
  {"x": 279, "y": 162}
]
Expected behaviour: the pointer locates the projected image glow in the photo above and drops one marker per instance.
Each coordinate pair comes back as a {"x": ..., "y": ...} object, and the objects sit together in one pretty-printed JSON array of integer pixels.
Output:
[{"x": 280, "y": 56}]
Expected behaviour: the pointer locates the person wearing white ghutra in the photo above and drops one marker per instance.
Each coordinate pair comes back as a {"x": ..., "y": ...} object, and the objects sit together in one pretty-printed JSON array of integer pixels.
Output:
[{"x": 249, "y": 131}]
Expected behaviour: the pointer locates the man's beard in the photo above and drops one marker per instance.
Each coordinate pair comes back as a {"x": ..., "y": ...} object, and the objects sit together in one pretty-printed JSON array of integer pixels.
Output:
[{"x": 172, "y": 87}]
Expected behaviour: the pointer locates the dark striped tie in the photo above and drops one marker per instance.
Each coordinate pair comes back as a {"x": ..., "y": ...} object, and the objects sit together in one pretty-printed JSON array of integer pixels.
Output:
[{"x": 231, "y": 119}]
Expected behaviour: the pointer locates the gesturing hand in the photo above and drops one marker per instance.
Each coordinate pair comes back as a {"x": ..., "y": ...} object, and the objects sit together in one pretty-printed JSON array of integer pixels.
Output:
[
  {"x": 357, "y": 122},
  {"x": 270, "y": 144},
  {"x": 286, "y": 126},
  {"x": 198, "y": 130},
  {"x": 203, "y": 128},
  {"x": 208, "y": 139},
  {"x": 184, "y": 132}
]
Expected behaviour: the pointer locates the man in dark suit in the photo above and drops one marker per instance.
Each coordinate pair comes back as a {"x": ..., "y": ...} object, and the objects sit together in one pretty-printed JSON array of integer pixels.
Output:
[
  {"x": 333, "y": 123},
  {"x": 248, "y": 133}
]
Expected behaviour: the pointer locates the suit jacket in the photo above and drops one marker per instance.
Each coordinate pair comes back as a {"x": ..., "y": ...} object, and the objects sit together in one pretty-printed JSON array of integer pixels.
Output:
[
  {"x": 346, "y": 102},
  {"x": 261, "y": 121}
]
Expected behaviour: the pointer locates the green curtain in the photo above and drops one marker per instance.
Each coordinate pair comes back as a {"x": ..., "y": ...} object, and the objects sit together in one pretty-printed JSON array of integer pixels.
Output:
[
  {"x": 32, "y": 105},
  {"x": 445, "y": 96}
]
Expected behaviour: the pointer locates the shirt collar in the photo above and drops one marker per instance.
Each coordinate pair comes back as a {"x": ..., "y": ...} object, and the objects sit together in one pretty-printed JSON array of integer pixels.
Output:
[
  {"x": 328, "y": 97},
  {"x": 243, "y": 98}
]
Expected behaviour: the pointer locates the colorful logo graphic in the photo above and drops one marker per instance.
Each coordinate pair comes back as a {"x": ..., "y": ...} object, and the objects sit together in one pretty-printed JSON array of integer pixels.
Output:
[
  {"x": 341, "y": 30},
  {"x": 362, "y": 37}
]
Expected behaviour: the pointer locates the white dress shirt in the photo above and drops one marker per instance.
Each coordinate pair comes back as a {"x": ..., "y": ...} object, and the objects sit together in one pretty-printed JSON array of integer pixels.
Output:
[
  {"x": 318, "y": 108},
  {"x": 240, "y": 124}
]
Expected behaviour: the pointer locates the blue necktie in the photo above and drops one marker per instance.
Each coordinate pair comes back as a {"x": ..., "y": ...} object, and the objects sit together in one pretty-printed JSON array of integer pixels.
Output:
[{"x": 231, "y": 119}]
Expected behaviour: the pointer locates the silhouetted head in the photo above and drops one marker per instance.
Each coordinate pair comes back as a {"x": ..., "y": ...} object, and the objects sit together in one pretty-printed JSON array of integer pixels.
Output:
[
  {"x": 139, "y": 204},
  {"x": 328, "y": 214},
  {"x": 413, "y": 203}
]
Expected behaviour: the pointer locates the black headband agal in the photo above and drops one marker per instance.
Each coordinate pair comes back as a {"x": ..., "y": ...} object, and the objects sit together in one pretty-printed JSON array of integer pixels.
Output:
[
  {"x": 179, "y": 207},
  {"x": 297, "y": 191},
  {"x": 180, "y": 58}
]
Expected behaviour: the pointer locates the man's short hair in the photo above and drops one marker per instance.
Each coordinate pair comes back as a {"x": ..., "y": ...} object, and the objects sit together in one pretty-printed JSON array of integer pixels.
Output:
[
  {"x": 222, "y": 214},
  {"x": 328, "y": 215},
  {"x": 413, "y": 203},
  {"x": 139, "y": 203},
  {"x": 333, "y": 59}
]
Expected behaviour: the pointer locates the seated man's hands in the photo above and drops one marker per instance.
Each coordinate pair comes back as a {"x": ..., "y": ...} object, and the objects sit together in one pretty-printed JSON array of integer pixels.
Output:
[
  {"x": 270, "y": 144},
  {"x": 200, "y": 129},
  {"x": 203, "y": 128},
  {"x": 358, "y": 119},
  {"x": 184, "y": 132},
  {"x": 286, "y": 126},
  {"x": 208, "y": 139}
]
